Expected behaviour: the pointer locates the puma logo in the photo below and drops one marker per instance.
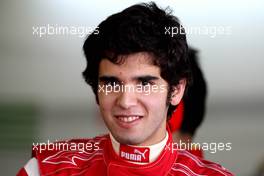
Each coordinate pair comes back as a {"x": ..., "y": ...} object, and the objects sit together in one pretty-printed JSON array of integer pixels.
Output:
[
  {"x": 136, "y": 155},
  {"x": 141, "y": 153}
]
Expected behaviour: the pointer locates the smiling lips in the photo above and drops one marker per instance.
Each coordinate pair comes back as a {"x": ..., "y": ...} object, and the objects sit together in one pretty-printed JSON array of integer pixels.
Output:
[{"x": 128, "y": 119}]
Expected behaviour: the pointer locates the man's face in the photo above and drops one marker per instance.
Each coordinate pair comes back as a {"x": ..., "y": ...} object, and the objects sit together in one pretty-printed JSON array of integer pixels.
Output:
[{"x": 133, "y": 117}]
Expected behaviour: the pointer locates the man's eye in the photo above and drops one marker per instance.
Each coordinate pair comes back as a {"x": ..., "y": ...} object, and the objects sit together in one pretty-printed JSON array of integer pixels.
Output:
[
  {"x": 145, "y": 82},
  {"x": 111, "y": 83}
]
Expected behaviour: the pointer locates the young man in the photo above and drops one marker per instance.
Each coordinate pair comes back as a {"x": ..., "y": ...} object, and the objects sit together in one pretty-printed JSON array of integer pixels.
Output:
[{"x": 138, "y": 73}]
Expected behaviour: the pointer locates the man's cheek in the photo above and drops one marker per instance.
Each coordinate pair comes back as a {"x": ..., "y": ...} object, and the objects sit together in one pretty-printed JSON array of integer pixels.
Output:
[
  {"x": 104, "y": 100},
  {"x": 105, "y": 115},
  {"x": 151, "y": 104},
  {"x": 154, "y": 99},
  {"x": 106, "y": 107}
]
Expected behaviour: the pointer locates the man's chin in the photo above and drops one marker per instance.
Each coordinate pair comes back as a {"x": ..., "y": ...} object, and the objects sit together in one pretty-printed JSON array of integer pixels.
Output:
[{"x": 135, "y": 140}]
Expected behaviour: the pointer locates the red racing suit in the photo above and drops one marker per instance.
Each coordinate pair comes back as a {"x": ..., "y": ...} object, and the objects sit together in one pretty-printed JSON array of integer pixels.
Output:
[{"x": 102, "y": 160}]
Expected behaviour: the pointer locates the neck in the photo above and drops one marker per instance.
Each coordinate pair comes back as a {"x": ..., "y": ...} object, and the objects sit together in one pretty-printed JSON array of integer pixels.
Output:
[{"x": 133, "y": 153}]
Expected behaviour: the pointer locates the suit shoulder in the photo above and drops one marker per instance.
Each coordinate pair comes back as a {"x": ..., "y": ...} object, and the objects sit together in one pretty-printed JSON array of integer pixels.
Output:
[
  {"x": 189, "y": 164},
  {"x": 86, "y": 146},
  {"x": 72, "y": 155}
]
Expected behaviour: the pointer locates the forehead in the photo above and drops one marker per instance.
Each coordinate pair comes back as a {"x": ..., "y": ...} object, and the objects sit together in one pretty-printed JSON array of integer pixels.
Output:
[{"x": 133, "y": 65}]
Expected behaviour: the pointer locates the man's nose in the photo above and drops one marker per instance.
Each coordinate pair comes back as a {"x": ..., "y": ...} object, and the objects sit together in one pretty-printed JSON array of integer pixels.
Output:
[{"x": 127, "y": 99}]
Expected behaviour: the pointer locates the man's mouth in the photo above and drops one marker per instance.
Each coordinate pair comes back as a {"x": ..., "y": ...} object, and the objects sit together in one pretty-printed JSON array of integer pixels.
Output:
[{"x": 128, "y": 119}]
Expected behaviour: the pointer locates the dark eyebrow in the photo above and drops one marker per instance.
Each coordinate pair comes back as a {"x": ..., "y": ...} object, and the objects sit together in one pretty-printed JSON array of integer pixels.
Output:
[
  {"x": 108, "y": 79},
  {"x": 146, "y": 78},
  {"x": 136, "y": 78}
]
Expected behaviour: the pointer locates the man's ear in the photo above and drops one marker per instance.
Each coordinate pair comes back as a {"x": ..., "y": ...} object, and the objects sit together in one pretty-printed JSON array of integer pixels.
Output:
[{"x": 178, "y": 92}]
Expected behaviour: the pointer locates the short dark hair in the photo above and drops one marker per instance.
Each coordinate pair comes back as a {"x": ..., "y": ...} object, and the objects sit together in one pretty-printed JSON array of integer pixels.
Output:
[{"x": 139, "y": 28}]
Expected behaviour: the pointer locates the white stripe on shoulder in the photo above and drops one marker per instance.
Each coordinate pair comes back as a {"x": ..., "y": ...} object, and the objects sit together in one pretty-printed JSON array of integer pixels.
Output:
[
  {"x": 186, "y": 168},
  {"x": 182, "y": 171},
  {"x": 214, "y": 167},
  {"x": 32, "y": 167}
]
